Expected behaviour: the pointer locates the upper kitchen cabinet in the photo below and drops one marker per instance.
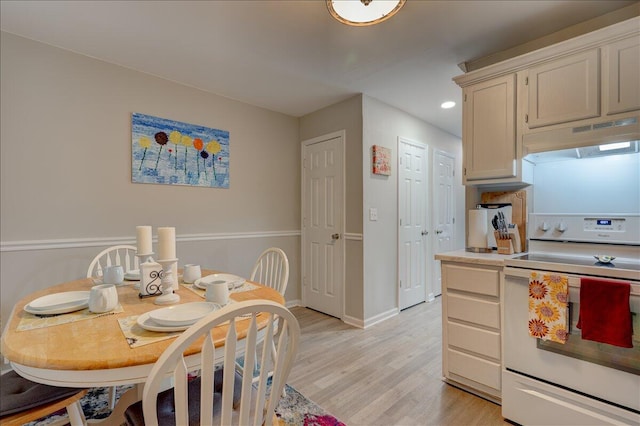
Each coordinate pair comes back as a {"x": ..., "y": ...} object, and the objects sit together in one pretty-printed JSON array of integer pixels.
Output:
[
  {"x": 489, "y": 129},
  {"x": 563, "y": 90},
  {"x": 622, "y": 73}
]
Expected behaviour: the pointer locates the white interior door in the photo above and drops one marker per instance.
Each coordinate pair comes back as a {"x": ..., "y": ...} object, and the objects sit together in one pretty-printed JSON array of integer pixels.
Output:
[
  {"x": 413, "y": 185},
  {"x": 322, "y": 224},
  {"x": 444, "y": 212}
]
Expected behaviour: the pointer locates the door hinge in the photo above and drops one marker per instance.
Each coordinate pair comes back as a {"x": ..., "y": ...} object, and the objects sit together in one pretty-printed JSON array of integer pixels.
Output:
[
  {"x": 400, "y": 284},
  {"x": 464, "y": 171},
  {"x": 304, "y": 163},
  {"x": 526, "y": 118},
  {"x": 526, "y": 81},
  {"x": 453, "y": 220},
  {"x": 465, "y": 97},
  {"x": 400, "y": 222}
]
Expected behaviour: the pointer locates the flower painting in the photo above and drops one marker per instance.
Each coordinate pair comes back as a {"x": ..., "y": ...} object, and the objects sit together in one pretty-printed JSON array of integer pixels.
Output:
[
  {"x": 176, "y": 153},
  {"x": 381, "y": 160}
]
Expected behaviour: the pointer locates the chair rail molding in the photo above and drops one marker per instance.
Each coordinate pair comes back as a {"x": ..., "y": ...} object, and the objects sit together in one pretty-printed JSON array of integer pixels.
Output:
[{"x": 13, "y": 246}]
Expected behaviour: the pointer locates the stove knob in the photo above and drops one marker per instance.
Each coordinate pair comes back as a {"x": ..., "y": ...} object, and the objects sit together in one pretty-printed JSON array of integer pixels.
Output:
[
  {"x": 561, "y": 226},
  {"x": 544, "y": 226}
]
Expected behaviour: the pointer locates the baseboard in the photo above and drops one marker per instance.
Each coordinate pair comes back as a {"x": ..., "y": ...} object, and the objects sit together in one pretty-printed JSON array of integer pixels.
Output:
[
  {"x": 11, "y": 246},
  {"x": 292, "y": 303},
  {"x": 356, "y": 322}
]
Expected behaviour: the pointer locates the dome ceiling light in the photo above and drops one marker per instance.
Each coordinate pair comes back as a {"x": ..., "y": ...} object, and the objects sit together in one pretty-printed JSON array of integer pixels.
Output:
[{"x": 361, "y": 13}]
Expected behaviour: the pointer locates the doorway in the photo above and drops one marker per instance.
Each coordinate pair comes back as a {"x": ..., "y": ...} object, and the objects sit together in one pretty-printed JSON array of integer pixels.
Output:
[
  {"x": 323, "y": 223},
  {"x": 413, "y": 188}
]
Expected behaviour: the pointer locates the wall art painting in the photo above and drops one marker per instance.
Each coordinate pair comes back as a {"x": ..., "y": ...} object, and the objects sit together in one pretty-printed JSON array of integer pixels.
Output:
[
  {"x": 175, "y": 153},
  {"x": 381, "y": 160}
]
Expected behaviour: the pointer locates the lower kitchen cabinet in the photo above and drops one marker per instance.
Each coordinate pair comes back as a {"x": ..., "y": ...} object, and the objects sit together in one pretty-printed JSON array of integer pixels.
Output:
[{"x": 471, "y": 335}]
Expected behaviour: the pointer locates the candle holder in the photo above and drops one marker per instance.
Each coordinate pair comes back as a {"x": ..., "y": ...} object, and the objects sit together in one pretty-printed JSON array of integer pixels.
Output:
[
  {"x": 168, "y": 296},
  {"x": 146, "y": 257}
]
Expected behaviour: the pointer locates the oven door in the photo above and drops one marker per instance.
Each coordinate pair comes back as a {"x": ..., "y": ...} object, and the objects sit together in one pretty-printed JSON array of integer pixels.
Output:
[{"x": 604, "y": 381}]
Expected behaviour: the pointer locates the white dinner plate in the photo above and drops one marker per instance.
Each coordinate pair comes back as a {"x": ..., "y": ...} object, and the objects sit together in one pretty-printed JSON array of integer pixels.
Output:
[
  {"x": 147, "y": 323},
  {"x": 233, "y": 281},
  {"x": 184, "y": 314},
  {"x": 58, "y": 303},
  {"x": 132, "y": 275}
]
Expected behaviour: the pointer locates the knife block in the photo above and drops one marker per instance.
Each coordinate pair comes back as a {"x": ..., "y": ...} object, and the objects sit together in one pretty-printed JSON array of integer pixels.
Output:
[{"x": 505, "y": 245}]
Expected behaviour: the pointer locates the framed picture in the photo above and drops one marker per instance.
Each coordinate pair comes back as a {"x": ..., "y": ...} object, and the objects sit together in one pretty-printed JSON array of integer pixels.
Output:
[
  {"x": 171, "y": 152},
  {"x": 381, "y": 160}
]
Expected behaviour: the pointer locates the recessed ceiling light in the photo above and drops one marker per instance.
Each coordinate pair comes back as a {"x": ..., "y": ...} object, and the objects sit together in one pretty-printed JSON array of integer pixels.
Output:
[{"x": 447, "y": 105}]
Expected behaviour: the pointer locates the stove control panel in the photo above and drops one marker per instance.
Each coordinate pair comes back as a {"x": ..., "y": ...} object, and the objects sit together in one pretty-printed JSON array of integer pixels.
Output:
[{"x": 591, "y": 228}]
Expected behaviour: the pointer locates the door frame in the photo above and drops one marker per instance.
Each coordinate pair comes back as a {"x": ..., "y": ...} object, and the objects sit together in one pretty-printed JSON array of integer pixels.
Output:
[
  {"x": 428, "y": 220},
  {"x": 304, "y": 144}
]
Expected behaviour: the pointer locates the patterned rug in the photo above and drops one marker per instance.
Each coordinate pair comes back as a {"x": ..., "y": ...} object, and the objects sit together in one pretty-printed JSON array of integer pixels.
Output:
[{"x": 293, "y": 410}]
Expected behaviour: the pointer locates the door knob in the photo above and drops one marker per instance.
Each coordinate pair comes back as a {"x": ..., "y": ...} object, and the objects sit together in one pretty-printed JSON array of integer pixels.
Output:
[
  {"x": 424, "y": 233},
  {"x": 335, "y": 236},
  {"x": 439, "y": 232}
]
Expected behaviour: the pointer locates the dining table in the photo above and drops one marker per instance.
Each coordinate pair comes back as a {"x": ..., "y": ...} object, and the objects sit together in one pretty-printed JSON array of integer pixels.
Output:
[{"x": 98, "y": 350}]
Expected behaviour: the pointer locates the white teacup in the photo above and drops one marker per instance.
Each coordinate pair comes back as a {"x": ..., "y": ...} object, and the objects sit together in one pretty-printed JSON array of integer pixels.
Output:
[
  {"x": 190, "y": 273},
  {"x": 217, "y": 292},
  {"x": 113, "y": 274},
  {"x": 103, "y": 298}
]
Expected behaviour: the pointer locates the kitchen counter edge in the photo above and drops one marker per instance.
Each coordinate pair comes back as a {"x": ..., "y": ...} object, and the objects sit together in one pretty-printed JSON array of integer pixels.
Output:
[{"x": 491, "y": 259}]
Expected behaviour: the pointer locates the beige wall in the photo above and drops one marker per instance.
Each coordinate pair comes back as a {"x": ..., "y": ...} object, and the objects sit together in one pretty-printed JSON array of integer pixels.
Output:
[
  {"x": 346, "y": 115},
  {"x": 66, "y": 171}
]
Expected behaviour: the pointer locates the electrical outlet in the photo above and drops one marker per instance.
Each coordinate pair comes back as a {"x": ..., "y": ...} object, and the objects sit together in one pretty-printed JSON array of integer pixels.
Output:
[{"x": 373, "y": 214}]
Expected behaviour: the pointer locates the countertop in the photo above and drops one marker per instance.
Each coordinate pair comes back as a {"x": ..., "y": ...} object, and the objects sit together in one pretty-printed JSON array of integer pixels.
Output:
[{"x": 491, "y": 259}]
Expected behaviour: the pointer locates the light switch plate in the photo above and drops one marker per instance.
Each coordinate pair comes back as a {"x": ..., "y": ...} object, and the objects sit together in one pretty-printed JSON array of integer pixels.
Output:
[{"x": 373, "y": 214}]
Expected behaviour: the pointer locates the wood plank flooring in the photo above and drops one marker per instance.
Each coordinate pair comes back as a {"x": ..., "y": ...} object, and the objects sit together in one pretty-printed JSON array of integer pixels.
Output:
[{"x": 388, "y": 374}]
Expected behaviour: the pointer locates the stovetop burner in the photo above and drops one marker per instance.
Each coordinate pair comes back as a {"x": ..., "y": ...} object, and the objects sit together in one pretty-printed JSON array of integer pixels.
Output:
[{"x": 579, "y": 261}]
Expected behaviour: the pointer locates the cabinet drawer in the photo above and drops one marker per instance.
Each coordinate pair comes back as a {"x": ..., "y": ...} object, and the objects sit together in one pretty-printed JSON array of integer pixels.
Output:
[
  {"x": 477, "y": 311},
  {"x": 474, "y": 280},
  {"x": 473, "y": 339},
  {"x": 476, "y": 369}
]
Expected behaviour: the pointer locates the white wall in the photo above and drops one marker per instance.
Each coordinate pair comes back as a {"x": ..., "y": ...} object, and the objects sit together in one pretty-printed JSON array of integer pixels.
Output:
[
  {"x": 595, "y": 185},
  {"x": 66, "y": 171},
  {"x": 383, "y": 124}
]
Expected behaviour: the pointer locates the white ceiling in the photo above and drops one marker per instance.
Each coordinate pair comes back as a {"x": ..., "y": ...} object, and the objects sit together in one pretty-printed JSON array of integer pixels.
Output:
[{"x": 290, "y": 56}]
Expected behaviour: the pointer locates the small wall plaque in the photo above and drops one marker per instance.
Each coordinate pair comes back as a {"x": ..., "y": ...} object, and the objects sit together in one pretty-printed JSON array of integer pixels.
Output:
[{"x": 381, "y": 160}]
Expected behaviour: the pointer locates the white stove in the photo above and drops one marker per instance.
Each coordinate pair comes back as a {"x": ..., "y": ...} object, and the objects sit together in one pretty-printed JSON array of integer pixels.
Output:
[{"x": 580, "y": 382}]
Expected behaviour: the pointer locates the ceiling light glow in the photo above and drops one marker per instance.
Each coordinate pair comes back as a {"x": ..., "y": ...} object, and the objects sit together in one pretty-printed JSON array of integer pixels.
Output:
[
  {"x": 362, "y": 13},
  {"x": 447, "y": 105}
]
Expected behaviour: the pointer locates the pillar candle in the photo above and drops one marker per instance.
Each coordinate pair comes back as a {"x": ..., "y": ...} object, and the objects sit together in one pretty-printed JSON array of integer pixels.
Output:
[
  {"x": 143, "y": 239},
  {"x": 166, "y": 243}
]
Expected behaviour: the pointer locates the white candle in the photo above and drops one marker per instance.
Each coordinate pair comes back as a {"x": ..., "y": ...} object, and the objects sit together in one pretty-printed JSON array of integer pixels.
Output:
[
  {"x": 166, "y": 243},
  {"x": 143, "y": 239}
]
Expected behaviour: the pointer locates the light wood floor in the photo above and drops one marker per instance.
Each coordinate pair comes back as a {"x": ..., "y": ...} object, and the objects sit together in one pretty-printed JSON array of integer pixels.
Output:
[{"x": 388, "y": 374}]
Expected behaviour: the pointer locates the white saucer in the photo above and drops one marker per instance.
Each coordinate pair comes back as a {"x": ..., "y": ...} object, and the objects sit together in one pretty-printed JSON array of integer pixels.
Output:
[
  {"x": 147, "y": 323},
  {"x": 132, "y": 275},
  {"x": 183, "y": 314},
  {"x": 233, "y": 281},
  {"x": 58, "y": 303}
]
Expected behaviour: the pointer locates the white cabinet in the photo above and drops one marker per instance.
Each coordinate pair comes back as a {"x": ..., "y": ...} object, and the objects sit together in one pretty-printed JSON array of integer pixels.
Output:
[
  {"x": 489, "y": 129},
  {"x": 622, "y": 76},
  {"x": 565, "y": 89},
  {"x": 471, "y": 353}
]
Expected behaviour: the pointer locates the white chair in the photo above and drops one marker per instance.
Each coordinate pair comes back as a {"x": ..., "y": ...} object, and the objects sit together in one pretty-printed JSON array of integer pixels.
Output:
[
  {"x": 256, "y": 406},
  {"x": 117, "y": 255},
  {"x": 272, "y": 269}
]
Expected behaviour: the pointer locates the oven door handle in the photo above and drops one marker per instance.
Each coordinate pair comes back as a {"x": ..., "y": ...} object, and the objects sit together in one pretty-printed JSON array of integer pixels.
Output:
[{"x": 574, "y": 280}]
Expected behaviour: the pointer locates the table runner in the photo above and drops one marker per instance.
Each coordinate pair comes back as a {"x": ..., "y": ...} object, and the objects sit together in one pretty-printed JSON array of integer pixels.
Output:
[{"x": 32, "y": 322}]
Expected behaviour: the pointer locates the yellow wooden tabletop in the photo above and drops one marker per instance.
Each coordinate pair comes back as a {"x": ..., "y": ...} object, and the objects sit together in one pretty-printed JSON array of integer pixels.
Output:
[{"x": 98, "y": 343}]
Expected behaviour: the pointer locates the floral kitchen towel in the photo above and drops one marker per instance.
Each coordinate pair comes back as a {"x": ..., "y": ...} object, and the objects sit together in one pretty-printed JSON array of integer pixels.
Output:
[{"x": 548, "y": 306}]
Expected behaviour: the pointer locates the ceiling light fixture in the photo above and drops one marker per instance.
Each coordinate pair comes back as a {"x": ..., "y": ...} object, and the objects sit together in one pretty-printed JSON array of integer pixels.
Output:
[
  {"x": 361, "y": 13},
  {"x": 447, "y": 105}
]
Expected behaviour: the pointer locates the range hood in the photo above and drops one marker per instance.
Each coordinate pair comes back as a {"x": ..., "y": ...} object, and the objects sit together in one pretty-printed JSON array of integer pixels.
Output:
[{"x": 585, "y": 141}]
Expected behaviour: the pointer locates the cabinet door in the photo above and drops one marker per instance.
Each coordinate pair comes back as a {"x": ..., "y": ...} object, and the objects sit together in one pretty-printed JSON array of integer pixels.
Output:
[
  {"x": 623, "y": 62},
  {"x": 489, "y": 131},
  {"x": 563, "y": 90}
]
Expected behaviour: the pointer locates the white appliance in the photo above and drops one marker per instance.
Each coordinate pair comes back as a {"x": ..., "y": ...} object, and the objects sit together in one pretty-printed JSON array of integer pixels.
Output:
[{"x": 585, "y": 383}]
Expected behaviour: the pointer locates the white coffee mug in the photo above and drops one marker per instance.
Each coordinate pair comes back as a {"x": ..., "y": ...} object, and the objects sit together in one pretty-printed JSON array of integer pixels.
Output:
[
  {"x": 103, "y": 298},
  {"x": 190, "y": 273},
  {"x": 113, "y": 274},
  {"x": 217, "y": 292}
]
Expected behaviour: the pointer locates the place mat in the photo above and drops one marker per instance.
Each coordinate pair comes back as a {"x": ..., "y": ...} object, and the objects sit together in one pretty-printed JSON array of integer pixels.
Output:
[
  {"x": 137, "y": 336},
  {"x": 247, "y": 286},
  {"x": 32, "y": 322}
]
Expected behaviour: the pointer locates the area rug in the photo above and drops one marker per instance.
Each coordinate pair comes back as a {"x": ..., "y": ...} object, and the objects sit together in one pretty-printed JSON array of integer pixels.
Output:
[{"x": 294, "y": 409}]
